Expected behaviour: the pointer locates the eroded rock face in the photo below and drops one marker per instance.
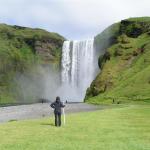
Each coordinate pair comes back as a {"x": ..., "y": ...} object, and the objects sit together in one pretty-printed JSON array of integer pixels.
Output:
[{"x": 46, "y": 50}]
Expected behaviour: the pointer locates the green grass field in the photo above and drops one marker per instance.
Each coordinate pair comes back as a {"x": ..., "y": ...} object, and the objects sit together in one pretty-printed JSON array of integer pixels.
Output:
[{"x": 122, "y": 128}]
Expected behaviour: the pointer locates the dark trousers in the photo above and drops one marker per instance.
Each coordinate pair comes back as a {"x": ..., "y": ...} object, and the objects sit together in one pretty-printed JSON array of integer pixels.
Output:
[{"x": 57, "y": 119}]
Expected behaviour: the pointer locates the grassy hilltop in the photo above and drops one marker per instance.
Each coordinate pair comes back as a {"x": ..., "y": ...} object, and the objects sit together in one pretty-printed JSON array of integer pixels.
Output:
[
  {"x": 21, "y": 49},
  {"x": 125, "y": 64}
]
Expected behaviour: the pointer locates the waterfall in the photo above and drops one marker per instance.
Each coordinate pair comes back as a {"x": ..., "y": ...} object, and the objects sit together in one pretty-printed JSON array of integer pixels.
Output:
[
  {"x": 66, "y": 62},
  {"x": 78, "y": 68}
]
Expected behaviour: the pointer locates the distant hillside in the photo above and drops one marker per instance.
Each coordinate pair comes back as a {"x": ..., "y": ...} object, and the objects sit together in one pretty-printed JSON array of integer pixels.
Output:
[
  {"x": 21, "y": 49},
  {"x": 125, "y": 63}
]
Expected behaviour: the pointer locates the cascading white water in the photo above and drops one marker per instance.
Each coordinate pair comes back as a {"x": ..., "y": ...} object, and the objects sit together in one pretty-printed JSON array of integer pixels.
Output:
[
  {"x": 66, "y": 61},
  {"x": 78, "y": 68}
]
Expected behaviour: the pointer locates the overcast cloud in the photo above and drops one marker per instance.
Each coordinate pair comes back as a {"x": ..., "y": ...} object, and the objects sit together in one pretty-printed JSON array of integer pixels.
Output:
[{"x": 74, "y": 19}]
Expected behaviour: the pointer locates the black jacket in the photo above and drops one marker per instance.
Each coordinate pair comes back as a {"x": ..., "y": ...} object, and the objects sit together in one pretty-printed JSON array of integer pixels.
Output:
[{"x": 57, "y": 105}]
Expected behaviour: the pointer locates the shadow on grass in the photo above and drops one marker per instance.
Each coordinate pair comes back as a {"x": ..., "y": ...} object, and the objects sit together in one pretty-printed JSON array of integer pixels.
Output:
[
  {"x": 48, "y": 124},
  {"x": 12, "y": 120}
]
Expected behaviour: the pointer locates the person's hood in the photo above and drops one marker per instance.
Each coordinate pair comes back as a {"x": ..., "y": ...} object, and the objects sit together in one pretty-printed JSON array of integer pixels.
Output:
[{"x": 57, "y": 101}]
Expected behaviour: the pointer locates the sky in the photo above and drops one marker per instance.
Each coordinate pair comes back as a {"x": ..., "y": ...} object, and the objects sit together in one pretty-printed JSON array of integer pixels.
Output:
[{"x": 73, "y": 19}]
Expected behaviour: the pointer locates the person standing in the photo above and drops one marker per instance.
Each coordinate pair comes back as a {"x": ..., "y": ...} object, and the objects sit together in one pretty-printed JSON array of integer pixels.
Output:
[{"x": 57, "y": 105}]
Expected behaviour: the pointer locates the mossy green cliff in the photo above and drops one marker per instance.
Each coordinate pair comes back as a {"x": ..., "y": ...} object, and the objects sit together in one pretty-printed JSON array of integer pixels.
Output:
[
  {"x": 21, "y": 50},
  {"x": 125, "y": 63}
]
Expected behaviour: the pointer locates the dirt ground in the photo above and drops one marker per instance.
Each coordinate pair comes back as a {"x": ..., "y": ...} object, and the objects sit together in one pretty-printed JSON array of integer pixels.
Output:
[{"x": 39, "y": 110}]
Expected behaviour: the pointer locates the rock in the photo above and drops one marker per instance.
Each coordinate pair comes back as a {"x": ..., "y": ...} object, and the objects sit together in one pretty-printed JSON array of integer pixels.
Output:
[
  {"x": 118, "y": 52},
  {"x": 133, "y": 28}
]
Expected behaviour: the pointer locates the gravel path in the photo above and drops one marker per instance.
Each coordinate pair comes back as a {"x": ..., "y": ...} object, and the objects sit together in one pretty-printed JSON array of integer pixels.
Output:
[{"x": 39, "y": 110}]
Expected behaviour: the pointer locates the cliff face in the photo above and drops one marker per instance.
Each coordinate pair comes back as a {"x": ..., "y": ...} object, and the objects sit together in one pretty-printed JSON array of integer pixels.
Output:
[
  {"x": 45, "y": 44},
  {"x": 125, "y": 64},
  {"x": 21, "y": 49}
]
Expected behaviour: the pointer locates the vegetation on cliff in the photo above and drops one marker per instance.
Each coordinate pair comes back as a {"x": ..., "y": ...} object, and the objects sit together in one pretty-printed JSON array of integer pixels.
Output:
[
  {"x": 125, "y": 65},
  {"x": 21, "y": 49}
]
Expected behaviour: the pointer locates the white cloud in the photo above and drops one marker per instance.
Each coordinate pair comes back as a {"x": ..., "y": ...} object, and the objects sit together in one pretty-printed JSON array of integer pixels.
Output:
[{"x": 71, "y": 18}]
